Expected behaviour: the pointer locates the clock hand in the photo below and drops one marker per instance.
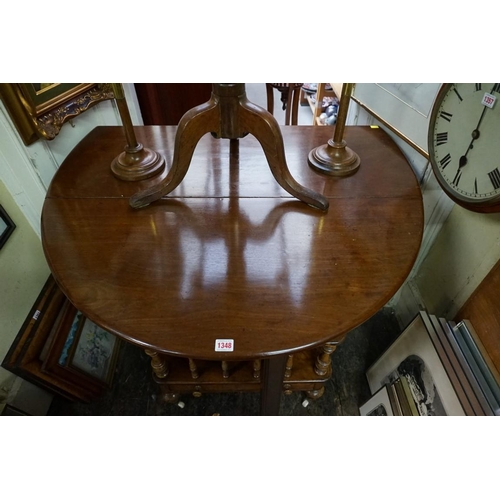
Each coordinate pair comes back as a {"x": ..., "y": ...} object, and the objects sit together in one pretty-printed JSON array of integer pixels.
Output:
[{"x": 475, "y": 135}]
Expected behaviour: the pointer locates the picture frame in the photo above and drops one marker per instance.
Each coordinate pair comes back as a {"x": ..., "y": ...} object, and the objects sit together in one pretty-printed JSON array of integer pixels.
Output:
[
  {"x": 481, "y": 375},
  {"x": 93, "y": 350},
  {"x": 480, "y": 352},
  {"x": 403, "y": 397},
  {"x": 448, "y": 357},
  {"x": 55, "y": 353},
  {"x": 414, "y": 356},
  {"x": 7, "y": 226},
  {"x": 404, "y": 108},
  {"x": 379, "y": 405},
  {"x": 40, "y": 110},
  {"x": 470, "y": 385},
  {"x": 36, "y": 352},
  {"x": 23, "y": 357}
]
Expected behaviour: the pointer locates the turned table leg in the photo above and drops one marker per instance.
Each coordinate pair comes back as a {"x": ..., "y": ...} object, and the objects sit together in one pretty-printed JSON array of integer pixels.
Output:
[
  {"x": 287, "y": 388},
  {"x": 160, "y": 369},
  {"x": 323, "y": 361},
  {"x": 257, "y": 364},
  {"x": 322, "y": 365},
  {"x": 225, "y": 369},
  {"x": 158, "y": 363}
]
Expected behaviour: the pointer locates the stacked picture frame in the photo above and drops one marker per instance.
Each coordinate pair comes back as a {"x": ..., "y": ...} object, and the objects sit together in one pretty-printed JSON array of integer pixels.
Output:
[
  {"x": 434, "y": 368},
  {"x": 7, "y": 226},
  {"x": 59, "y": 349},
  {"x": 477, "y": 366}
]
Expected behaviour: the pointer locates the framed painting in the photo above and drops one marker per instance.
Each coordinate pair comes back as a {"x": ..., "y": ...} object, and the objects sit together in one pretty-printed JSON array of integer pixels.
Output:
[
  {"x": 413, "y": 356},
  {"x": 44, "y": 347},
  {"x": 58, "y": 346},
  {"x": 39, "y": 110},
  {"x": 379, "y": 405},
  {"x": 6, "y": 226},
  {"x": 25, "y": 353},
  {"x": 93, "y": 350}
]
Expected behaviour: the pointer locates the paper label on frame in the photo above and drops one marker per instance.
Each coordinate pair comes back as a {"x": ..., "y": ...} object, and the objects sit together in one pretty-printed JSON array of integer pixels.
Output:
[
  {"x": 224, "y": 345},
  {"x": 37, "y": 313}
]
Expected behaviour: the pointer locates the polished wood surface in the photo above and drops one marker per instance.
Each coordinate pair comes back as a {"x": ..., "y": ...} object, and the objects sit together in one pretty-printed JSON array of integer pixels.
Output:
[{"x": 229, "y": 253}]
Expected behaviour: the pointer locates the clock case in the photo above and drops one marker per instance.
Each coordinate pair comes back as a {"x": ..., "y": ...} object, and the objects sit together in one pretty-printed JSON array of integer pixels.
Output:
[{"x": 482, "y": 206}]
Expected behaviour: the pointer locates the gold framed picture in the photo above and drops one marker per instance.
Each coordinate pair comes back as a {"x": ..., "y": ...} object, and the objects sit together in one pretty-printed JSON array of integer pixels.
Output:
[{"x": 39, "y": 110}]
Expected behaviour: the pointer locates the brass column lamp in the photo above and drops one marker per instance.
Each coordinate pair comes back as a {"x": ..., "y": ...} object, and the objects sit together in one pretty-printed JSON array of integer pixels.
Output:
[
  {"x": 335, "y": 158},
  {"x": 136, "y": 162}
]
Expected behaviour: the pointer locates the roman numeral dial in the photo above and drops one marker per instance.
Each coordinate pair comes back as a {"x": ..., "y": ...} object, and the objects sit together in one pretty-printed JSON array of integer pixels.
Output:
[
  {"x": 494, "y": 176},
  {"x": 445, "y": 161},
  {"x": 446, "y": 116},
  {"x": 441, "y": 138},
  {"x": 457, "y": 177},
  {"x": 464, "y": 143}
]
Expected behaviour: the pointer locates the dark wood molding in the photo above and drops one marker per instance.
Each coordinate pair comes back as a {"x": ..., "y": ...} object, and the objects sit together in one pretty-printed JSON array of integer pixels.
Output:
[{"x": 166, "y": 103}]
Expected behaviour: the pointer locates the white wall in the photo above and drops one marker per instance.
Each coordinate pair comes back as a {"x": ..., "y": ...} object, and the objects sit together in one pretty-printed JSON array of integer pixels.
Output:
[
  {"x": 23, "y": 272},
  {"x": 459, "y": 248},
  {"x": 437, "y": 207},
  {"x": 466, "y": 249}
]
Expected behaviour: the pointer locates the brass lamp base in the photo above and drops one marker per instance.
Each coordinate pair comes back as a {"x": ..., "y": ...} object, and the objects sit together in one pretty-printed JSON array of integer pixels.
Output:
[
  {"x": 334, "y": 159},
  {"x": 137, "y": 163}
]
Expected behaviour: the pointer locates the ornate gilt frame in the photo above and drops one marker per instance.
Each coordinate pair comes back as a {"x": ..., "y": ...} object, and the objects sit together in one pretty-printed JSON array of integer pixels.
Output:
[{"x": 36, "y": 117}]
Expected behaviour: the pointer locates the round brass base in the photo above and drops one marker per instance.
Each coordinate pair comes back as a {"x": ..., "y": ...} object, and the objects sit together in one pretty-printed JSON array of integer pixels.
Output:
[
  {"x": 137, "y": 164},
  {"x": 334, "y": 159}
]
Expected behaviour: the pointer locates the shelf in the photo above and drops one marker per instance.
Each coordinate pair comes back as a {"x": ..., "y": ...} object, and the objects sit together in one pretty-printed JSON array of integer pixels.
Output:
[
  {"x": 320, "y": 93},
  {"x": 241, "y": 376}
]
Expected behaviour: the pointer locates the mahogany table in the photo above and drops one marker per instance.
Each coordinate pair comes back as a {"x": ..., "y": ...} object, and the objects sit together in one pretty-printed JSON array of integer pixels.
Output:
[{"x": 229, "y": 254}]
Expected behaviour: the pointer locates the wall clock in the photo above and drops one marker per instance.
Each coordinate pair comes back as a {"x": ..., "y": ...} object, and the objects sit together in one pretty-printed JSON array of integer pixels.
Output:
[{"x": 464, "y": 144}]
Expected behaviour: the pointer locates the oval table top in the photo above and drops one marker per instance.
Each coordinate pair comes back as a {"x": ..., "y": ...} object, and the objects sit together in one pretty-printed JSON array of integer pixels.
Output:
[{"x": 229, "y": 254}]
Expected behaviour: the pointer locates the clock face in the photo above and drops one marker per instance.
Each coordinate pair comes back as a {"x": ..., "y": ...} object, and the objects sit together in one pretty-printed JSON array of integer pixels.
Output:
[{"x": 464, "y": 143}]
